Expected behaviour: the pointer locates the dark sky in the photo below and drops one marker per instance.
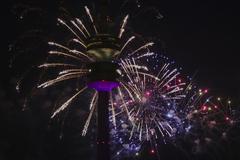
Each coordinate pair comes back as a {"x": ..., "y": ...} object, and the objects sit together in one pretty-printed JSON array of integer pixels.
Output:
[{"x": 201, "y": 36}]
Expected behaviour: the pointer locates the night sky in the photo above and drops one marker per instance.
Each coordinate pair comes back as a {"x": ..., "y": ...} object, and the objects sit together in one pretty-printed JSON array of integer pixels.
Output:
[{"x": 202, "y": 37}]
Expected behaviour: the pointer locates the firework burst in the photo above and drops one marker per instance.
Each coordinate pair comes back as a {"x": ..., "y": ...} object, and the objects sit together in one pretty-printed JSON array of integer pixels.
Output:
[
  {"x": 207, "y": 122},
  {"x": 86, "y": 52},
  {"x": 194, "y": 118},
  {"x": 148, "y": 104},
  {"x": 150, "y": 100}
]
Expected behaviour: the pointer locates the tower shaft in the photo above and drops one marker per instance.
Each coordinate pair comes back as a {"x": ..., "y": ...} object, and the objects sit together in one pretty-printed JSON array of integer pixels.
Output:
[{"x": 103, "y": 150}]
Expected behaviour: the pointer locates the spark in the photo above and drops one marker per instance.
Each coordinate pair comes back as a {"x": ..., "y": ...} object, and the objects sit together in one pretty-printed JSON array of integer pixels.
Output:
[
  {"x": 122, "y": 29},
  {"x": 92, "y": 109},
  {"x": 91, "y": 18},
  {"x": 149, "y": 105},
  {"x": 59, "y": 79},
  {"x": 55, "y": 65},
  {"x": 82, "y": 54},
  {"x": 79, "y": 42},
  {"x": 64, "y": 54},
  {"x": 62, "y": 22},
  {"x": 83, "y": 26},
  {"x": 140, "y": 48},
  {"x": 145, "y": 55},
  {"x": 128, "y": 41},
  {"x": 74, "y": 23},
  {"x": 65, "y": 105}
]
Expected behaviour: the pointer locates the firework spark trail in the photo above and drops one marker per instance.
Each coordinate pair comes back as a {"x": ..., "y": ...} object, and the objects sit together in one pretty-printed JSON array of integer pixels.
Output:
[
  {"x": 177, "y": 89},
  {"x": 164, "y": 78},
  {"x": 122, "y": 111},
  {"x": 141, "y": 129},
  {"x": 136, "y": 70},
  {"x": 65, "y": 105},
  {"x": 145, "y": 55},
  {"x": 58, "y": 45},
  {"x": 137, "y": 67},
  {"x": 124, "y": 67},
  {"x": 131, "y": 133},
  {"x": 197, "y": 99},
  {"x": 159, "y": 126},
  {"x": 79, "y": 42},
  {"x": 62, "y": 22},
  {"x": 126, "y": 44},
  {"x": 174, "y": 88},
  {"x": 126, "y": 88},
  {"x": 128, "y": 67},
  {"x": 164, "y": 67},
  {"x": 69, "y": 50},
  {"x": 64, "y": 54},
  {"x": 125, "y": 106},
  {"x": 74, "y": 23},
  {"x": 54, "y": 81},
  {"x": 146, "y": 128},
  {"x": 59, "y": 79},
  {"x": 82, "y": 54},
  {"x": 122, "y": 29},
  {"x": 92, "y": 109},
  {"x": 90, "y": 16},
  {"x": 93, "y": 100},
  {"x": 62, "y": 75},
  {"x": 113, "y": 111},
  {"x": 149, "y": 75},
  {"x": 46, "y": 65},
  {"x": 140, "y": 48},
  {"x": 74, "y": 71},
  {"x": 83, "y": 26}
]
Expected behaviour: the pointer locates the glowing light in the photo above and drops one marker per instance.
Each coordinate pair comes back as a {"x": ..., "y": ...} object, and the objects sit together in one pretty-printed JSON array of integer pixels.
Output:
[
  {"x": 148, "y": 93},
  {"x": 152, "y": 151},
  {"x": 227, "y": 118},
  {"x": 156, "y": 104},
  {"x": 80, "y": 37},
  {"x": 204, "y": 108},
  {"x": 103, "y": 85},
  {"x": 169, "y": 115}
]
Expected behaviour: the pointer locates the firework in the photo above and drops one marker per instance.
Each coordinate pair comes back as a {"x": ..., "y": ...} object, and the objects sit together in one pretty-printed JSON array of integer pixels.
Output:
[
  {"x": 207, "y": 122},
  {"x": 150, "y": 100},
  {"x": 148, "y": 104},
  {"x": 195, "y": 118},
  {"x": 88, "y": 57}
]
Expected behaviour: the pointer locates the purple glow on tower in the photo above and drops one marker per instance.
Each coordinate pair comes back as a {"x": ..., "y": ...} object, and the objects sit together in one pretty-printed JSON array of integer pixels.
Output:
[{"x": 103, "y": 85}]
